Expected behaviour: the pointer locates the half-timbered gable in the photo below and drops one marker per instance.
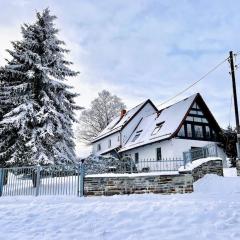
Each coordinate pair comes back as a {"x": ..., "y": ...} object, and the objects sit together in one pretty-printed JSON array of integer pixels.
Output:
[{"x": 199, "y": 123}]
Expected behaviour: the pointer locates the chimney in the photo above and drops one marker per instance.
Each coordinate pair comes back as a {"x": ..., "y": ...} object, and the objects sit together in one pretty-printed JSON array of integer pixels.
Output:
[{"x": 122, "y": 113}]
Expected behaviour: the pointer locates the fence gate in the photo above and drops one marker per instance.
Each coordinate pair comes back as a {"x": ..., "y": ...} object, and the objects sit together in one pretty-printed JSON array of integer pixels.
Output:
[{"x": 37, "y": 180}]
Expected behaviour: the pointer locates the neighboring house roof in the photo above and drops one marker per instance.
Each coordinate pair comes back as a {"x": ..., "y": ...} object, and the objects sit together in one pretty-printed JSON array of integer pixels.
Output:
[
  {"x": 119, "y": 123},
  {"x": 171, "y": 118}
]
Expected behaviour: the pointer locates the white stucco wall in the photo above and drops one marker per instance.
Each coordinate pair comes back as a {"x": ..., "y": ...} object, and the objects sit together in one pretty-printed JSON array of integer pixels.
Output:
[
  {"x": 148, "y": 152},
  {"x": 173, "y": 148},
  {"x": 115, "y": 142}
]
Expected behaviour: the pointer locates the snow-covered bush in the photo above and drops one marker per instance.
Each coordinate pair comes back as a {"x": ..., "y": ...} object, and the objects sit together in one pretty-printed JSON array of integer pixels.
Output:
[{"x": 99, "y": 164}]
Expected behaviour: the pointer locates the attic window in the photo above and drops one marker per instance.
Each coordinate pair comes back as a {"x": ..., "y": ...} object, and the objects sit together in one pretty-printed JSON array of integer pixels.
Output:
[
  {"x": 195, "y": 106},
  {"x": 138, "y": 133},
  {"x": 157, "y": 128}
]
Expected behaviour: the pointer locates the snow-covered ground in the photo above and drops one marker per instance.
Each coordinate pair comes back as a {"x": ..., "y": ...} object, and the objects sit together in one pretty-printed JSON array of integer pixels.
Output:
[{"x": 211, "y": 212}]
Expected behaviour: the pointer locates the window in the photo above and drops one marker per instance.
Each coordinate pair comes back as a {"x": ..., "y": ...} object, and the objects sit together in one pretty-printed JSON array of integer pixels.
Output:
[
  {"x": 197, "y": 119},
  {"x": 118, "y": 138},
  {"x": 207, "y": 131},
  {"x": 157, "y": 128},
  {"x": 136, "y": 136},
  {"x": 159, "y": 154},
  {"x": 198, "y": 131},
  {"x": 189, "y": 130},
  {"x": 136, "y": 158},
  {"x": 193, "y": 112},
  {"x": 181, "y": 132},
  {"x": 204, "y": 120},
  {"x": 196, "y": 112},
  {"x": 109, "y": 143},
  {"x": 99, "y": 147},
  {"x": 195, "y": 106},
  {"x": 189, "y": 118}
]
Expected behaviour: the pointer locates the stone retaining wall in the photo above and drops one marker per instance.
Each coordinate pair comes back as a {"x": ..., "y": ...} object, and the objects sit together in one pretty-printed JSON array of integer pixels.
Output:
[
  {"x": 238, "y": 167},
  {"x": 107, "y": 185},
  {"x": 211, "y": 167},
  {"x": 214, "y": 166},
  {"x": 164, "y": 184}
]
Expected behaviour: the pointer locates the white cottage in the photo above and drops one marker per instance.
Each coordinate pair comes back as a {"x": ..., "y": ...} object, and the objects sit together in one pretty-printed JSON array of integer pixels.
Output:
[{"x": 144, "y": 132}]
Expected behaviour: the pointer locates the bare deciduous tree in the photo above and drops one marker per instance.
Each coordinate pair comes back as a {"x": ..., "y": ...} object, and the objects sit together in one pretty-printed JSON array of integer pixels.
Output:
[{"x": 101, "y": 112}]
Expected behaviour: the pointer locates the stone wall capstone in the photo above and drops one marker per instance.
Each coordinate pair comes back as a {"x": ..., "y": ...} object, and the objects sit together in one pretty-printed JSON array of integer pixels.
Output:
[{"x": 164, "y": 184}]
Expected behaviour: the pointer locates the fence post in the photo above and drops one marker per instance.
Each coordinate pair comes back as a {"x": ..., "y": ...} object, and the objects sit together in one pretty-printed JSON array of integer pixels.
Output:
[
  {"x": 216, "y": 150},
  {"x": 184, "y": 159},
  {"x": 38, "y": 180},
  {"x": 1, "y": 180},
  {"x": 131, "y": 166},
  {"x": 81, "y": 184}
]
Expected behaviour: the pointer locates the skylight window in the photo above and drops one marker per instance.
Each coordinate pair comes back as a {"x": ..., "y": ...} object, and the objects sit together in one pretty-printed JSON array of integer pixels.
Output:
[
  {"x": 138, "y": 133},
  {"x": 157, "y": 128}
]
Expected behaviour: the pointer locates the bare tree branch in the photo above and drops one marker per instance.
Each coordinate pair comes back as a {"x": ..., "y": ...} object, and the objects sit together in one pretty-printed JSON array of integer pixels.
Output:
[{"x": 102, "y": 111}]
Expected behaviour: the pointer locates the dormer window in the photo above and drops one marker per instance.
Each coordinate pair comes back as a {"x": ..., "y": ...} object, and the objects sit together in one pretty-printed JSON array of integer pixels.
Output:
[
  {"x": 157, "y": 128},
  {"x": 138, "y": 133}
]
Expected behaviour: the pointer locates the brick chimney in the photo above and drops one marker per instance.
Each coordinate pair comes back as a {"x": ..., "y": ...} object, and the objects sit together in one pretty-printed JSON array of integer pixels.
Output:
[{"x": 122, "y": 113}]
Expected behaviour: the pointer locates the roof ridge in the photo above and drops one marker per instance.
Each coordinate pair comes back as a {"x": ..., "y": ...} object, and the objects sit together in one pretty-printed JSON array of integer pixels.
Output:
[
  {"x": 184, "y": 99},
  {"x": 160, "y": 110}
]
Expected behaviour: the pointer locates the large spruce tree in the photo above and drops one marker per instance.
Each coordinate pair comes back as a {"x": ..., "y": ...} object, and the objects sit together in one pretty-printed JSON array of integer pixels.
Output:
[{"x": 38, "y": 107}]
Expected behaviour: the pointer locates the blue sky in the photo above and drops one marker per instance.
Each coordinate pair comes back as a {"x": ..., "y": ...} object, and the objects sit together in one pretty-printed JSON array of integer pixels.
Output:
[{"x": 142, "y": 48}]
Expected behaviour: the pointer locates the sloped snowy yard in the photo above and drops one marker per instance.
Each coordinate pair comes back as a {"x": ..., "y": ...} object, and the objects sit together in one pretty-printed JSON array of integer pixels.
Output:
[{"x": 211, "y": 212}]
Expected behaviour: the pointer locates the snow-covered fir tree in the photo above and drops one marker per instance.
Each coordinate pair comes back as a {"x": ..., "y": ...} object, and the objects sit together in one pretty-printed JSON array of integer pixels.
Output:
[{"x": 37, "y": 126}]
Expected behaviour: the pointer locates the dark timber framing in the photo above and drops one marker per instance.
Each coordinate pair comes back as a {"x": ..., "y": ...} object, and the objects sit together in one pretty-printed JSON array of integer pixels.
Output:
[{"x": 210, "y": 124}]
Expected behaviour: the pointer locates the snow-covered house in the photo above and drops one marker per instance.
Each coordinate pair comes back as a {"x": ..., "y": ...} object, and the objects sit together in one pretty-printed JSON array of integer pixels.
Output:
[{"x": 144, "y": 132}]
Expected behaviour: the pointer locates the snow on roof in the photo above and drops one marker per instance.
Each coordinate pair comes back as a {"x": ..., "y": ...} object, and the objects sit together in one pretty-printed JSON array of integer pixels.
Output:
[
  {"x": 117, "y": 123},
  {"x": 159, "y": 125}
]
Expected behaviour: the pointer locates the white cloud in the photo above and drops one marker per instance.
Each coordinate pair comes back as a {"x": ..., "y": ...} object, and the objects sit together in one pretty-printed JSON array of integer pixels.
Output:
[{"x": 140, "y": 49}]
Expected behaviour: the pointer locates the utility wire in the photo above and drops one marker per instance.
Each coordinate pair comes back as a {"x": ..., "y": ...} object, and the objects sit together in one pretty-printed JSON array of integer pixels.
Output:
[{"x": 205, "y": 75}]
